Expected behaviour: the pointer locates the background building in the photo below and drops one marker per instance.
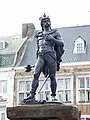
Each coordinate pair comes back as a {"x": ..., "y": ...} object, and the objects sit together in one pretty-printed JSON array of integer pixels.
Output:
[
  {"x": 6, "y": 90},
  {"x": 11, "y": 50},
  {"x": 73, "y": 78}
]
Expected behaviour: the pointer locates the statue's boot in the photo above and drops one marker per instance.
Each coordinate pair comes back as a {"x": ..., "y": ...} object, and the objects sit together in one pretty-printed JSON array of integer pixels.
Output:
[
  {"x": 31, "y": 95},
  {"x": 29, "y": 99},
  {"x": 54, "y": 99},
  {"x": 33, "y": 90}
]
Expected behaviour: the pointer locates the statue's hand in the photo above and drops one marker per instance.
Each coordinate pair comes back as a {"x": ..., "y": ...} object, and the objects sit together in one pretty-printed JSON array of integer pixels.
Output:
[{"x": 49, "y": 37}]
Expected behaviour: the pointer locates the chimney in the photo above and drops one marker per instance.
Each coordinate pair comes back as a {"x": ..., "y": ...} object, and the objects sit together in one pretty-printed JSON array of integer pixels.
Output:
[{"x": 27, "y": 30}]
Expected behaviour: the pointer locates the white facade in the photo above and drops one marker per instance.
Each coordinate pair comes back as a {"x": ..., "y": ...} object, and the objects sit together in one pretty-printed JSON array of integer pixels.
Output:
[
  {"x": 64, "y": 88},
  {"x": 6, "y": 90},
  {"x": 73, "y": 88}
]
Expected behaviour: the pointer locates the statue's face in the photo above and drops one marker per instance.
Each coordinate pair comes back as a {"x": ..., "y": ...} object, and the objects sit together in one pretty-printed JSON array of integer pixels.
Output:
[{"x": 46, "y": 23}]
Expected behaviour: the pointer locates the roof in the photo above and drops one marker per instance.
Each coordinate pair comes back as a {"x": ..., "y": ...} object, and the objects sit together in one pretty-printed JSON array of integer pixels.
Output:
[
  {"x": 29, "y": 57},
  {"x": 10, "y": 55},
  {"x": 12, "y": 45},
  {"x": 69, "y": 35}
]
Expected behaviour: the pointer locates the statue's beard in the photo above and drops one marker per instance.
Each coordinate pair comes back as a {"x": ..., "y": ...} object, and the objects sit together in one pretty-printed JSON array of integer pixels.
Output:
[{"x": 47, "y": 25}]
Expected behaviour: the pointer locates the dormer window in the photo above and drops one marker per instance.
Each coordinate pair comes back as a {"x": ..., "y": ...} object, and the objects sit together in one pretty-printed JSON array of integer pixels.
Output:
[
  {"x": 2, "y": 44},
  {"x": 16, "y": 37},
  {"x": 80, "y": 45}
]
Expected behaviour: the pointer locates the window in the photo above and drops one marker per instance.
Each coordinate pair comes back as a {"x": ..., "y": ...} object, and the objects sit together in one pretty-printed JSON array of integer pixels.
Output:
[
  {"x": 68, "y": 95},
  {"x": 40, "y": 88},
  {"x": 47, "y": 94},
  {"x": 21, "y": 86},
  {"x": 2, "y": 113},
  {"x": 88, "y": 82},
  {"x": 3, "y": 116},
  {"x": 85, "y": 117},
  {"x": 81, "y": 82},
  {"x": 47, "y": 85},
  {"x": 24, "y": 86},
  {"x": 44, "y": 90},
  {"x": 16, "y": 37},
  {"x": 87, "y": 94},
  {"x": 65, "y": 89},
  {"x": 21, "y": 97},
  {"x": 84, "y": 89},
  {"x": 47, "y": 89},
  {"x": 28, "y": 85},
  {"x": 3, "y": 87},
  {"x": 60, "y": 84},
  {"x": 68, "y": 83},
  {"x": 82, "y": 95},
  {"x": 2, "y": 44},
  {"x": 40, "y": 95},
  {"x": 80, "y": 45},
  {"x": 24, "y": 89},
  {"x": 61, "y": 95}
]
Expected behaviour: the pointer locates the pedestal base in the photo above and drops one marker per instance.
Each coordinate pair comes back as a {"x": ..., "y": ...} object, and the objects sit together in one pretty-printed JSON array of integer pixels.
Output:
[{"x": 49, "y": 111}]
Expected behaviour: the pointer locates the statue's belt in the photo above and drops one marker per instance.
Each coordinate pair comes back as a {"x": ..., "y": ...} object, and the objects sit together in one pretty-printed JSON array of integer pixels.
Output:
[{"x": 44, "y": 53}]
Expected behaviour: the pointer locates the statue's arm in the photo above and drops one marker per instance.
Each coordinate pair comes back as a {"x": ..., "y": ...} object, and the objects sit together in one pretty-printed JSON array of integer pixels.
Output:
[
  {"x": 58, "y": 39},
  {"x": 37, "y": 50}
]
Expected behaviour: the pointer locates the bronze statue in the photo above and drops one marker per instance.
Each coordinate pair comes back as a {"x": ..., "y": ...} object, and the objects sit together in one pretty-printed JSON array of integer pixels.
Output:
[{"x": 49, "y": 52}]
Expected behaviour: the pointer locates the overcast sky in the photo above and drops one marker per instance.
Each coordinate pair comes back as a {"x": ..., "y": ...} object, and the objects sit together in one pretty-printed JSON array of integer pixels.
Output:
[{"x": 63, "y": 13}]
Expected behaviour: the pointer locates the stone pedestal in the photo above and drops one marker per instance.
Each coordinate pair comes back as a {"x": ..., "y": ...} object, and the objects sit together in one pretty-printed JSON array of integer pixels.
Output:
[{"x": 43, "y": 112}]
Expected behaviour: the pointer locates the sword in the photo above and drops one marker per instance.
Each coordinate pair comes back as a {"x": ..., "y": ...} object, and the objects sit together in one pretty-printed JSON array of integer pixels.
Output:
[
  {"x": 43, "y": 84},
  {"x": 28, "y": 69}
]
